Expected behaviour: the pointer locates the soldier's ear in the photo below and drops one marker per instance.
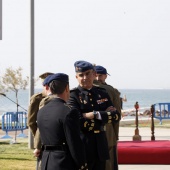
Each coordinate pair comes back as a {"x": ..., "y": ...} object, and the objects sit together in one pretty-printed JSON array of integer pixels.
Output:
[
  {"x": 47, "y": 87},
  {"x": 76, "y": 76},
  {"x": 67, "y": 88}
]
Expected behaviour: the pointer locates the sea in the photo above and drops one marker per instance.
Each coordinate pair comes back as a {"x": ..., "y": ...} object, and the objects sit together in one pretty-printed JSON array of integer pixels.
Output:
[{"x": 144, "y": 97}]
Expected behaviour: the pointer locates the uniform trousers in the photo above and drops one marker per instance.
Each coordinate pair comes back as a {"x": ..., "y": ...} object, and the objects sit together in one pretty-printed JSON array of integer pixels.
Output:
[
  {"x": 96, "y": 165},
  {"x": 112, "y": 163}
]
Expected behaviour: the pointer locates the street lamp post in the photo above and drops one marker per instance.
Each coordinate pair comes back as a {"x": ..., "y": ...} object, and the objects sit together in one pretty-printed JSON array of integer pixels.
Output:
[{"x": 31, "y": 91}]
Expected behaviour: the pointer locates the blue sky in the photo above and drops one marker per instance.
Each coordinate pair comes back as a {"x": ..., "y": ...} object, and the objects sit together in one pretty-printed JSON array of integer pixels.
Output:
[{"x": 131, "y": 38}]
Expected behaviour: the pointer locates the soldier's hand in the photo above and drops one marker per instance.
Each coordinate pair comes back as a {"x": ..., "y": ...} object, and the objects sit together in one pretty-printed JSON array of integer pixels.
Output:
[
  {"x": 111, "y": 109},
  {"x": 36, "y": 152},
  {"x": 88, "y": 115}
]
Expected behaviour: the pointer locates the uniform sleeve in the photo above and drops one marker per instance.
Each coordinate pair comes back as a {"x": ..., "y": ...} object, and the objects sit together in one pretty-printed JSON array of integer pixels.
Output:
[
  {"x": 73, "y": 101},
  {"x": 72, "y": 133},
  {"x": 32, "y": 113},
  {"x": 37, "y": 140},
  {"x": 110, "y": 103},
  {"x": 110, "y": 117}
]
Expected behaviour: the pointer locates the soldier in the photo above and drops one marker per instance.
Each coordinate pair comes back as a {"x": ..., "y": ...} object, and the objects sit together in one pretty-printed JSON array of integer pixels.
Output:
[
  {"x": 59, "y": 129},
  {"x": 95, "y": 110},
  {"x": 34, "y": 105},
  {"x": 112, "y": 130},
  {"x": 43, "y": 102},
  {"x": 33, "y": 110}
]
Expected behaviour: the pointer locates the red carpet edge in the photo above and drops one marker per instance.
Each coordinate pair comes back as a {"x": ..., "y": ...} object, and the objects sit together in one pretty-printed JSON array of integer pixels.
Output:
[{"x": 144, "y": 152}]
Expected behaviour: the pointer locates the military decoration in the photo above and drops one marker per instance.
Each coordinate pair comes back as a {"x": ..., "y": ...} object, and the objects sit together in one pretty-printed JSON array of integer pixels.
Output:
[
  {"x": 80, "y": 99},
  {"x": 85, "y": 102},
  {"x": 102, "y": 101}
]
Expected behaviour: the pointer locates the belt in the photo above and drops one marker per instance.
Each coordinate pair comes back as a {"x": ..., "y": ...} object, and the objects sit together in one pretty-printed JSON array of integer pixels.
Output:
[
  {"x": 96, "y": 131},
  {"x": 101, "y": 129},
  {"x": 53, "y": 148}
]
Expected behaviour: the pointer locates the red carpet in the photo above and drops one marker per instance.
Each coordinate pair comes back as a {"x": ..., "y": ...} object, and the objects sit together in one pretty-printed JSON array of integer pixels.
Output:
[{"x": 144, "y": 152}]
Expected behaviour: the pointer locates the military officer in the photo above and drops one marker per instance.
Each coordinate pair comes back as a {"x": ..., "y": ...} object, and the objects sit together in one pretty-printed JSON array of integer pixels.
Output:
[
  {"x": 34, "y": 105},
  {"x": 33, "y": 110},
  {"x": 43, "y": 102},
  {"x": 112, "y": 130},
  {"x": 59, "y": 129},
  {"x": 95, "y": 110}
]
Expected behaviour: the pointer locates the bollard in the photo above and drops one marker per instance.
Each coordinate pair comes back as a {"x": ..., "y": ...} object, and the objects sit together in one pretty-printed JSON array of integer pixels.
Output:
[
  {"x": 152, "y": 123},
  {"x": 136, "y": 137}
]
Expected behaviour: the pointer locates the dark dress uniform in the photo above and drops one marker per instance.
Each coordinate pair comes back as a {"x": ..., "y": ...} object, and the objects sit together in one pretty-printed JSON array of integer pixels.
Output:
[
  {"x": 60, "y": 135},
  {"x": 92, "y": 131},
  {"x": 37, "y": 138}
]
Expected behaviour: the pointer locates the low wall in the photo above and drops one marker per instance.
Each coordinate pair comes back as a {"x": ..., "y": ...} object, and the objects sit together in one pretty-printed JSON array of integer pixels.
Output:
[{"x": 131, "y": 121}]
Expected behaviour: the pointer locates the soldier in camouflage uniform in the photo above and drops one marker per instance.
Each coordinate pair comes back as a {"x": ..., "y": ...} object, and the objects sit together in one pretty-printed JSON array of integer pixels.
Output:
[{"x": 112, "y": 130}]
